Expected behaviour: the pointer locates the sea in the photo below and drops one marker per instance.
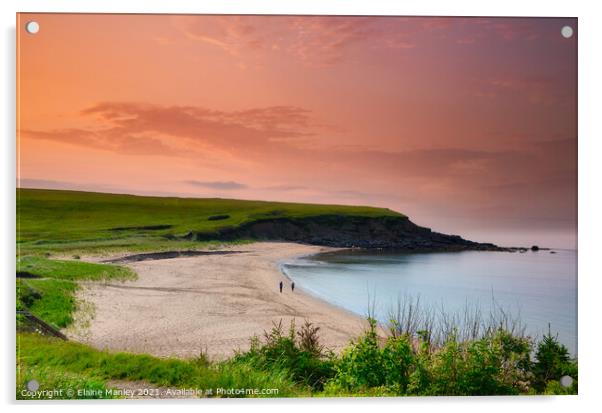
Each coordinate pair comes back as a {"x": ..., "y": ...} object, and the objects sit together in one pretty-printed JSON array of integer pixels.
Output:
[{"x": 538, "y": 288}]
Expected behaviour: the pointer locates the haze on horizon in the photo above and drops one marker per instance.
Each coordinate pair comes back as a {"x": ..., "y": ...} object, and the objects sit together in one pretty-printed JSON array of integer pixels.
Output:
[{"x": 466, "y": 125}]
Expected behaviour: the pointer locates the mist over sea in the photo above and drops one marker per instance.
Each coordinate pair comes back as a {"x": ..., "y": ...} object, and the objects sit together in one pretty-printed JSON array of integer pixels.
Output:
[{"x": 537, "y": 287}]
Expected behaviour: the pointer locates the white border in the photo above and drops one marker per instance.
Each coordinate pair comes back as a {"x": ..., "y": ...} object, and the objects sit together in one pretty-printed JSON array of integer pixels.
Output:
[{"x": 590, "y": 177}]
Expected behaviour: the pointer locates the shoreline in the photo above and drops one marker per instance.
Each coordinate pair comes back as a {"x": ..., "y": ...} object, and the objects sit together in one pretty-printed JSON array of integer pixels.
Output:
[
  {"x": 312, "y": 295},
  {"x": 213, "y": 303}
]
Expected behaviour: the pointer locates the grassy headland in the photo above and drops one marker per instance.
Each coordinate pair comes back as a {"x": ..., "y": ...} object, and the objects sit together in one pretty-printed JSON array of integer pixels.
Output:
[{"x": 70, "y": 222}]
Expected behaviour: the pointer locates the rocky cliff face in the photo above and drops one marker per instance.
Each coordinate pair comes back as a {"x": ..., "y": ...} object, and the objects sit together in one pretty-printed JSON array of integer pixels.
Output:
[{"x": 348, "y": 231}]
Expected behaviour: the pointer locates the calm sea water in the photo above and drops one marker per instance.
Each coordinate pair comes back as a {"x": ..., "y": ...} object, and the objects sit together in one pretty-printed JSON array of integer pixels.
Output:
[{"x": 540, "y": 287}]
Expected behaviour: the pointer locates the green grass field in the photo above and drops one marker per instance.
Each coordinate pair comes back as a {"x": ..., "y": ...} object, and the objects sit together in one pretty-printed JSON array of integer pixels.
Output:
[{"x": 53, "y": 221}]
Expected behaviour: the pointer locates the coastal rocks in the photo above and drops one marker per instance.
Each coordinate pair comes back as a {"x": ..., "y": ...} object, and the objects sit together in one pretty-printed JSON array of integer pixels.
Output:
[{"x": 348, "y": 232}]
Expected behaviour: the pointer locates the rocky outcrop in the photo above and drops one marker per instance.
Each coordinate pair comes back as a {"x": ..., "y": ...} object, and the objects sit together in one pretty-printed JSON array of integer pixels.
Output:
[{"x": 386, "y": 232}]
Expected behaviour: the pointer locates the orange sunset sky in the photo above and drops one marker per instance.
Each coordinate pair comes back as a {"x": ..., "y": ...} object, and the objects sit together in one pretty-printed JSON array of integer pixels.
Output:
[{"x": 467, "y": 125}]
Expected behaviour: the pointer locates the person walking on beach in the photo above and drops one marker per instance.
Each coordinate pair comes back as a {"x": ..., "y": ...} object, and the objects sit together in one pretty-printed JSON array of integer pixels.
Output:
[
  {"x": 293, "y": 286},
  {"x": 281, "y": 286}
]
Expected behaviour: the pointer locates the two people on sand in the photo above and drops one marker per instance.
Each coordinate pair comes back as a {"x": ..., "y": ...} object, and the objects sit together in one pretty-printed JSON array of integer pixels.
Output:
[{"x": 292, "y": 286}]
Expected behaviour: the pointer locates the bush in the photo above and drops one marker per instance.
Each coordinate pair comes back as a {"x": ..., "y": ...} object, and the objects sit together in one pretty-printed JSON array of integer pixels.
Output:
[
  {"x": 298, "y": 353},
  {"x": 364, "y": 364},
  {"x": 498, "y": 363},
  {"x": 553, "y": 362}
]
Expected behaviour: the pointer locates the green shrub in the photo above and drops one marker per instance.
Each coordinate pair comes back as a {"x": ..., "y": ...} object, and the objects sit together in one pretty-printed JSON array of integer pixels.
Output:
[
  {"x": 297, "y": 353},
  {"x": 553, "y": 387},
  {"x": 366, "y": 365},
  {"x": 498, "y": 363},
  {"x": 552, "y": 362}
]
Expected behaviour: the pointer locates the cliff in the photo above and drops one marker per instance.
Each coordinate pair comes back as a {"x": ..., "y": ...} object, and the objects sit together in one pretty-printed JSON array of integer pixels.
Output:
[{"x": 387, "y": 232}]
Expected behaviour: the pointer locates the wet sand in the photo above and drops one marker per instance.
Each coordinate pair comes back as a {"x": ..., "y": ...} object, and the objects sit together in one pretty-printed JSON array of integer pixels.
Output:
[{"x": 214, "y": 303}]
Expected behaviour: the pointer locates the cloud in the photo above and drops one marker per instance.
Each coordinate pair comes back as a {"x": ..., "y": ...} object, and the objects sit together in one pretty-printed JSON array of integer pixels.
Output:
[
  {"x": 112, "y": 139},
  {"x": 186, "y": 131},
  {"x": 56, "y": 184},
  {"x": 277, "y": 135},
  {"x": 536, "y": 90},
  {"x": 516, "y": 29},
  {"x": 363, "y": 196},
  {"x": 444, "y": 163},
  {"x": 286, "y": 188},
  {"x": 313, "y": 40},
  {"x": 329, "y": 40},
  {"x": 225, "y": 185},
  {"x": 269, "y": 136}
]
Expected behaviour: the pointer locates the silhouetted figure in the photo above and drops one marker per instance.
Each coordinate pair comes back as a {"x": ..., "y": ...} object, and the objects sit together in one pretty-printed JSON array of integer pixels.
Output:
[
  {"x": 293, "y": 286},
  {"x": 281, "y": 286}
]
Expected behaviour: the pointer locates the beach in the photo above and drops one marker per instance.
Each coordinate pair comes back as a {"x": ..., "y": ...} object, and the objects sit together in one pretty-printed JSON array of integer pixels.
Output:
[{"x": 212, "y": 304}]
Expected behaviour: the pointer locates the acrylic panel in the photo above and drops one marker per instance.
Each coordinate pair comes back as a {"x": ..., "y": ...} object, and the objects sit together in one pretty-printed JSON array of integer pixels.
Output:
[{"x": 295, "y": 206}]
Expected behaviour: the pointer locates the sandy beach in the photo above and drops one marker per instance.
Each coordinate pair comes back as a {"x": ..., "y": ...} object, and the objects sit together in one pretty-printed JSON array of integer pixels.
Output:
[{"x": 214, "y": 303}]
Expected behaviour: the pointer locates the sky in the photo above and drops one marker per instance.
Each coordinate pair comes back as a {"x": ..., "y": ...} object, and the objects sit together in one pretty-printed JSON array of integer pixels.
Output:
[{"x": 466, "y": 125}]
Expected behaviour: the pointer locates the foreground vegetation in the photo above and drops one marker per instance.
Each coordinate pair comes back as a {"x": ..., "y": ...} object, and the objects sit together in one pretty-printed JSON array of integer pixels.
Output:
[
  {"x": 294, "y": 363},
  {"x": 420, "y": 355},
  {"x": 71, "y": 222},
  {"x": 66, "y": 359}
]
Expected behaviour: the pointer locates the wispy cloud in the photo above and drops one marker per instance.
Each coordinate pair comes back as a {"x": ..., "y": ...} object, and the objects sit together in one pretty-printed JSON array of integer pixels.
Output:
[
  {"x": 313, "y": 40},
  {"x": 536, "y": 90},
  {"x": 286, "y": 188},
  {"x": 226, "y": 185},
  {"x": 276, "y": 134},
  {"x": 328, "y": 40},
  {"x": 147, "y": 129}
]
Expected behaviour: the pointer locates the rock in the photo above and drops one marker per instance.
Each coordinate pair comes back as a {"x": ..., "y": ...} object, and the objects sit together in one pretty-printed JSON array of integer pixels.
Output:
[
  {"x": 386, "y": 232},
  {"x": 534, "y": 248}
]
